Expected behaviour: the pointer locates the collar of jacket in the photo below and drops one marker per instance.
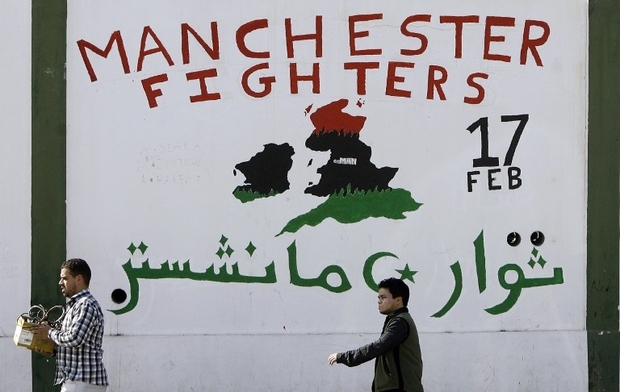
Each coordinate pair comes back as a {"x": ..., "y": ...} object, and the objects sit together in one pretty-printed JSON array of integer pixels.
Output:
[
  {"x": 394, "y": 314},
  {"x": 398, "y": 311}
]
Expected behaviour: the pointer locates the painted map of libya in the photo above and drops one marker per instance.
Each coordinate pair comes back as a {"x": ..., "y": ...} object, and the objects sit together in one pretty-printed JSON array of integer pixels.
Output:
[{"x": 355, "y": 188}]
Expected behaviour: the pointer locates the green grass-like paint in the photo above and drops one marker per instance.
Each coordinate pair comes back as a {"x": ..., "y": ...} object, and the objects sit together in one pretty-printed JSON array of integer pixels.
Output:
[{"x": 352, "y": 207}]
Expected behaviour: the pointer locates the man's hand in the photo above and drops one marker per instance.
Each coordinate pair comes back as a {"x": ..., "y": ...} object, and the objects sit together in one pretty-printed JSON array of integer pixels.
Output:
[
  {"x": 40, "y": 332},
  {"x": 332, "y": 358}
]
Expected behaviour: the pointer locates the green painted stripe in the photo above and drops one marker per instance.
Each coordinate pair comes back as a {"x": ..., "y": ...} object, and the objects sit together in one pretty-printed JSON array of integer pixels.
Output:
[
  {"x": 49, "y": 20},
  {"x": 603, "y": 197}
]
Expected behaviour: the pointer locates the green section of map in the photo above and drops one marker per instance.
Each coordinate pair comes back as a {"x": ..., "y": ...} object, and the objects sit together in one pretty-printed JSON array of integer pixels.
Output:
[{"x": 353, "y": 207}]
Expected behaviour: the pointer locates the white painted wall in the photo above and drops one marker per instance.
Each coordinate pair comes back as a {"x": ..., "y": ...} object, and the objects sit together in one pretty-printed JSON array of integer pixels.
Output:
[
  {"x": 488, "y": 361},
  {"x": 162, "y": 175},
  {"x": 15, "y": 371}
]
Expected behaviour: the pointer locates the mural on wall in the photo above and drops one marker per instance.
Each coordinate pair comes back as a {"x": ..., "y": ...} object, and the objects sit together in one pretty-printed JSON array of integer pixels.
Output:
[
  {"x": 355, "y": 188},
  {"x": 183, "y": 271},
  {"x": 324, "y": 150}
]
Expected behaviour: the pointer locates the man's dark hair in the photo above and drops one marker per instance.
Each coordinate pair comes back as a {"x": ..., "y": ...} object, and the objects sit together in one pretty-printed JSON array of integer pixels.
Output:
[
  {"x": 78, "y": 267},
  {"x": 397, "y": 288}
]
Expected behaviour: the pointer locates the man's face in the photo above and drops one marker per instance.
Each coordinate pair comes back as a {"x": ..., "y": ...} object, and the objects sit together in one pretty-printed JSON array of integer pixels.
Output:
[
  {"x": 387, "y": 303},
  {"x": 69, "y": 284}
]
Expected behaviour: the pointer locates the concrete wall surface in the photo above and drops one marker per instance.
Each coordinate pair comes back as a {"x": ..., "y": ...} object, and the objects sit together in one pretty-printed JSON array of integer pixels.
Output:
[{"x": 15, "y": 372}]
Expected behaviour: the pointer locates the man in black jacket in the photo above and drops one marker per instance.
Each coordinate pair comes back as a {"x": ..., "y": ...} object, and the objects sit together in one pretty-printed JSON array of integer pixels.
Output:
[{"x": 398, "y": 364}]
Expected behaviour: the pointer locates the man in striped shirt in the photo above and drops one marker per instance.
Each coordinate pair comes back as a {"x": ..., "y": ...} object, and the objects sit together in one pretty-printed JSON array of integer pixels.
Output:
[{"x": 79, "y": 353}]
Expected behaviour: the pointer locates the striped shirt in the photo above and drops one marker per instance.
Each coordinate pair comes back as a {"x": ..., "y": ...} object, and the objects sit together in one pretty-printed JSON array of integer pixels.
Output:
[{"x": 79, "y": 356}]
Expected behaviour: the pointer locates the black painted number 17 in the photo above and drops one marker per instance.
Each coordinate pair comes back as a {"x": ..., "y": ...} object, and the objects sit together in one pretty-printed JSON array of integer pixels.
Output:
[{"x": 483, "y": 123}]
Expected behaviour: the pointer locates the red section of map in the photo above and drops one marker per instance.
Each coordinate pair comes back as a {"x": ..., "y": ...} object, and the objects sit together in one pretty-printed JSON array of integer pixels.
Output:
[{"x": 331, "y": 118}]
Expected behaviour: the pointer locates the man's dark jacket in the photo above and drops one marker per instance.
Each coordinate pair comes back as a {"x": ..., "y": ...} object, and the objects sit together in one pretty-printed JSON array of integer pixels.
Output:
[{"x": 398, "y": 364}]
